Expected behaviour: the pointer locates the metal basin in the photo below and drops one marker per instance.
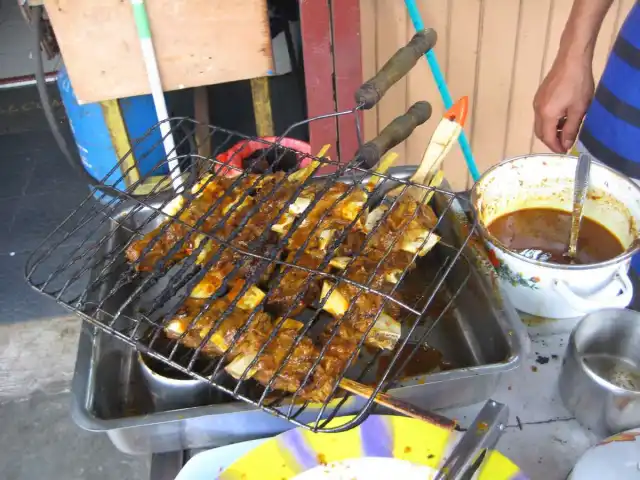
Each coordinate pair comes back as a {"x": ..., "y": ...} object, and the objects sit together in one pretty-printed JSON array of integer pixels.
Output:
[
  {"x": 480, "y": 335},
  {"x": 600, "y": 378}
]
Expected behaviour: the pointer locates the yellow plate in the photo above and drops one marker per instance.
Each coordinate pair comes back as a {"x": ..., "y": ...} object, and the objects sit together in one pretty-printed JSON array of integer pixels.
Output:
[{"x": 381, "y": 447}]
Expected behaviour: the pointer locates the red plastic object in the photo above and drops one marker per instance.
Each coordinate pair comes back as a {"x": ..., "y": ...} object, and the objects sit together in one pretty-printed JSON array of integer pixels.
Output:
[{"x": 241, "y": 150}]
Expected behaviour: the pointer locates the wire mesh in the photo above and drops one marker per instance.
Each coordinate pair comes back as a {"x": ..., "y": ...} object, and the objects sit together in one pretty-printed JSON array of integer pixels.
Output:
[{"x": 302, "y": 348}]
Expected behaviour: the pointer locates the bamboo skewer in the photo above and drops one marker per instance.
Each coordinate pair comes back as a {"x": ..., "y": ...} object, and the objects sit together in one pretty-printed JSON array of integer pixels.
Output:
[
  {"x": 395, "y": 404},
  {"x": 252, "y": 297},
  {"x": 429, "y": 172}
]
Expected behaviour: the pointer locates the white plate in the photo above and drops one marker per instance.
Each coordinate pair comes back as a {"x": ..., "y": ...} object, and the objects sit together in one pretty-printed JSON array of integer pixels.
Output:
[
  {"x": 617, "y": 457},
  {"x": 213, "y": 462},
  {"x": 369, "y": 468}
]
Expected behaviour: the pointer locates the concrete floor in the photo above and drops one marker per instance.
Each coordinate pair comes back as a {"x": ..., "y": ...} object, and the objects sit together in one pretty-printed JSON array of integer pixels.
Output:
[
  {"x": 39, "y": 441},
  {"x": 38, "y": 339}
]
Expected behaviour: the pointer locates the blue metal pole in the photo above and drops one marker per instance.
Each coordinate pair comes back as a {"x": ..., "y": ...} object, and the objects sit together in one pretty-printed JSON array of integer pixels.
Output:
[{"x": 441, "y": 83}]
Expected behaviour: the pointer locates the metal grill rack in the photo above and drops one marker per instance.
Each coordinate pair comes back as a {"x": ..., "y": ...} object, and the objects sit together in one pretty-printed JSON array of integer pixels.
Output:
[
  {"x": 83, "y": 264},
  {"x": 95, "y": 280}
]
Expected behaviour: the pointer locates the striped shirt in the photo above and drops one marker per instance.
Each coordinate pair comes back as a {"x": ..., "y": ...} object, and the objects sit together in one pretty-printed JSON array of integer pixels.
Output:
[{"x": 611, "y": 129}]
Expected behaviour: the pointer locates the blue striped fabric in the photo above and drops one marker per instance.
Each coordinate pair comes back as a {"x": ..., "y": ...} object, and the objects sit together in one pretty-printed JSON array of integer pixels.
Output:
[{"x": 611, "y": 130}]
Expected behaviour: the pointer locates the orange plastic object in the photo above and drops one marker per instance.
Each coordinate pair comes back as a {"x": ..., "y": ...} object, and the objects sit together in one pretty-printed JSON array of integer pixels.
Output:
[{"x": 458, "y": 111}]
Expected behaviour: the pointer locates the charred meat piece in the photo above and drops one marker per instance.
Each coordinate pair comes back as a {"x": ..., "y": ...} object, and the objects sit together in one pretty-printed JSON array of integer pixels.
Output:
[
  {"x": 408, "y": 227},
  {"x": 334, "y": 211},
  {"x": 297, "y": 365},
  {"x": 191, "y": 332},
  {"x": 294, "y": 282},
  {"x": 180, "y": 226}
]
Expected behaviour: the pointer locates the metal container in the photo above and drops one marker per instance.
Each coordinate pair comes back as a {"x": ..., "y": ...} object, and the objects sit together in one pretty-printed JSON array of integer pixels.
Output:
[
  {"x": 171, "y": 389},
  {"x": 600, "y": 377},
  {"x": 481, "y": 334}
]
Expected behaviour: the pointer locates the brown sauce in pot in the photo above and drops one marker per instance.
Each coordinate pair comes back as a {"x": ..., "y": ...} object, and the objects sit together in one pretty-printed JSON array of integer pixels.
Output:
[{"x": 547, "y": 231}]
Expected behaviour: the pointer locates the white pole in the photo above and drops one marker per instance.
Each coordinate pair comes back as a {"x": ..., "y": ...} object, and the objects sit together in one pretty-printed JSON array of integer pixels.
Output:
[{"x": 151, "y": 64}]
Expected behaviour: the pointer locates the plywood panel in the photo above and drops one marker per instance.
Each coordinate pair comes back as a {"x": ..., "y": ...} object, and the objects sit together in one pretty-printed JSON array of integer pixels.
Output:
[
  {"x": 560, "y": 10},
  {"x": 420, "y": 83},
  {"x": 368, "y": 33},
  {"x": 315, "y": 19},
  {"x": 529, "y": 63},
  {"x": 197, "y": 42},
  {"x": 463, "y": 33},
  {"x": 495, "y": 51},
  {"x": 391, "y": 28},
  {"x": 347, "y": 70},
  {"x": 500, "y": 19}
]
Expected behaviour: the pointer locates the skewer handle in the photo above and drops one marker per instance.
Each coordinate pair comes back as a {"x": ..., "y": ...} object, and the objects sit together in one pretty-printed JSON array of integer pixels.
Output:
[
  {"x": 395, "y": 404},
  {"x": 369, "y": 154},
  {"x": 396, "y": 67}
]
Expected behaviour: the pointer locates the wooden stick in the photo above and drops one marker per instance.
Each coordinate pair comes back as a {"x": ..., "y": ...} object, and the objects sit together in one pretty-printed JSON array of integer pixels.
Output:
[
  {"x": 262, "y": 106},
  {"x": 396, "y": 404}
]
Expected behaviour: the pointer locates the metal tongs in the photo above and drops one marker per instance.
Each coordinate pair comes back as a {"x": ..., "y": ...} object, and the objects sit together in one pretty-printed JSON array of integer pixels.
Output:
[
  {"x": 482, "y": 436},
  {"x": 581, "y": 186}
]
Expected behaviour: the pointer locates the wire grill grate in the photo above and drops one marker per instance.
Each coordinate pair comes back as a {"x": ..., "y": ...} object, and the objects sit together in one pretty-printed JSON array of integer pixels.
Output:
[{"x": 83, "y": 265}]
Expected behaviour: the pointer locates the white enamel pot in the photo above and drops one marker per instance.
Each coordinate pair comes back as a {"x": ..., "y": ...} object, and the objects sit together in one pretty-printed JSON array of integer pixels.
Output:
[{"x": 546, "y": 181}]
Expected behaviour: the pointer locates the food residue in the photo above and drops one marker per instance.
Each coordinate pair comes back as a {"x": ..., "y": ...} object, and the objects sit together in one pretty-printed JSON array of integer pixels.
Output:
[{"x": 542, "y": 360}]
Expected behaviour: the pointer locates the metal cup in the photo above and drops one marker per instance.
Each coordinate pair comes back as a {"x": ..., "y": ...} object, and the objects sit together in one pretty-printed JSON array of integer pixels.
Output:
[
  {"x": 172, "y": 390},
  {"x": 600, "y": 377}
]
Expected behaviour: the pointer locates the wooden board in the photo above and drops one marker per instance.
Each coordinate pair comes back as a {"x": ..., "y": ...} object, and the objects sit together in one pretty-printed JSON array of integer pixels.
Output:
[
  {"x": 420, "y": 82},
  {"x": 197, "y": 42},
  {"x": 529, "y": 63},
  {"x": 345, "y": 20},
  {"x": 391, "y": 28},
  {"x": 495, "y": 80},
  {"x": 495, "y": 51},
  {"x": 315, "y": 22},
  {"x": 462, "y": 67},
  {"x": 369, "y": 60}
]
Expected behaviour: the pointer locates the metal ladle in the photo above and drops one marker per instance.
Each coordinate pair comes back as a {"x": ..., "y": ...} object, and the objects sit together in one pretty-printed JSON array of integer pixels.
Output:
[{"x": 581, "y": 185}]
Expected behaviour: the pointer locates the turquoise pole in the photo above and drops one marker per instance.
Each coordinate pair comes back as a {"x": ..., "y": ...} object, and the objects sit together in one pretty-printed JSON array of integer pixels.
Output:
[{"x": 441, "y": 83}]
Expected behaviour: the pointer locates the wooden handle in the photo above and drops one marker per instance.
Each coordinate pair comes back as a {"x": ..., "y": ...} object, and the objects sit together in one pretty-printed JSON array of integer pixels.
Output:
[
  {"x": 397, "y": 131},
  {"x": 396, "y": 67},
  {"x": 396, "y": 405}
]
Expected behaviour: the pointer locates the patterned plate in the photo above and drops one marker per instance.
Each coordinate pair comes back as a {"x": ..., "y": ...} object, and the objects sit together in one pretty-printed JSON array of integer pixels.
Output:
[{"x": 382, "y": 447}]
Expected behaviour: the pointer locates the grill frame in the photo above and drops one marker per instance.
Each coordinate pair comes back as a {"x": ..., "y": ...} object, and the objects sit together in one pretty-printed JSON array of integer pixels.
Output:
[{"x": 82, "y": 303}]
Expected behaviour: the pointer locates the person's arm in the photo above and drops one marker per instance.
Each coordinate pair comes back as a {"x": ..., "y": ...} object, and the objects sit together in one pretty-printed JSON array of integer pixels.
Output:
[{"x": 568, "y": 88}]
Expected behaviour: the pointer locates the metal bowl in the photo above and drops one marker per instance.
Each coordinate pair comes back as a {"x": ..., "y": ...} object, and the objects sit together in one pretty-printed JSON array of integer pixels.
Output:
[{"x": 600, "y": 377}]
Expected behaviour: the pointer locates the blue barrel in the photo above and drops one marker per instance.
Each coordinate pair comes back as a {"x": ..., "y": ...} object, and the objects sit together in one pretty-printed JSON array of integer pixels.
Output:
[{"x": 105, "y": 131}]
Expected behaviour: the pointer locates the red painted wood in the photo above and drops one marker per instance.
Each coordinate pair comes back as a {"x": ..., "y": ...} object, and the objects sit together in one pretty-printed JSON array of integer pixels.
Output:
[
  {"x": 348, "y": 70},
  {"x": 315, "y": 21}
]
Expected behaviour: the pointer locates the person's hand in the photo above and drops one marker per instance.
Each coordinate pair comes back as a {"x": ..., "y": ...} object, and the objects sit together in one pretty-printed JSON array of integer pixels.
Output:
[{"x": 565, "y": 93}]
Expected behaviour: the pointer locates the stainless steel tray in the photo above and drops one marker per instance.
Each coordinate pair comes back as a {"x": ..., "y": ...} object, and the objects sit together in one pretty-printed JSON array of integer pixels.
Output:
[{"x": 481, "y": 333}]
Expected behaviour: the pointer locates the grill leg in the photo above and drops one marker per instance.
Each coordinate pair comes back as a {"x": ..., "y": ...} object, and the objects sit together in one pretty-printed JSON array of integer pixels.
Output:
[{"x": 166, "y": 466}]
